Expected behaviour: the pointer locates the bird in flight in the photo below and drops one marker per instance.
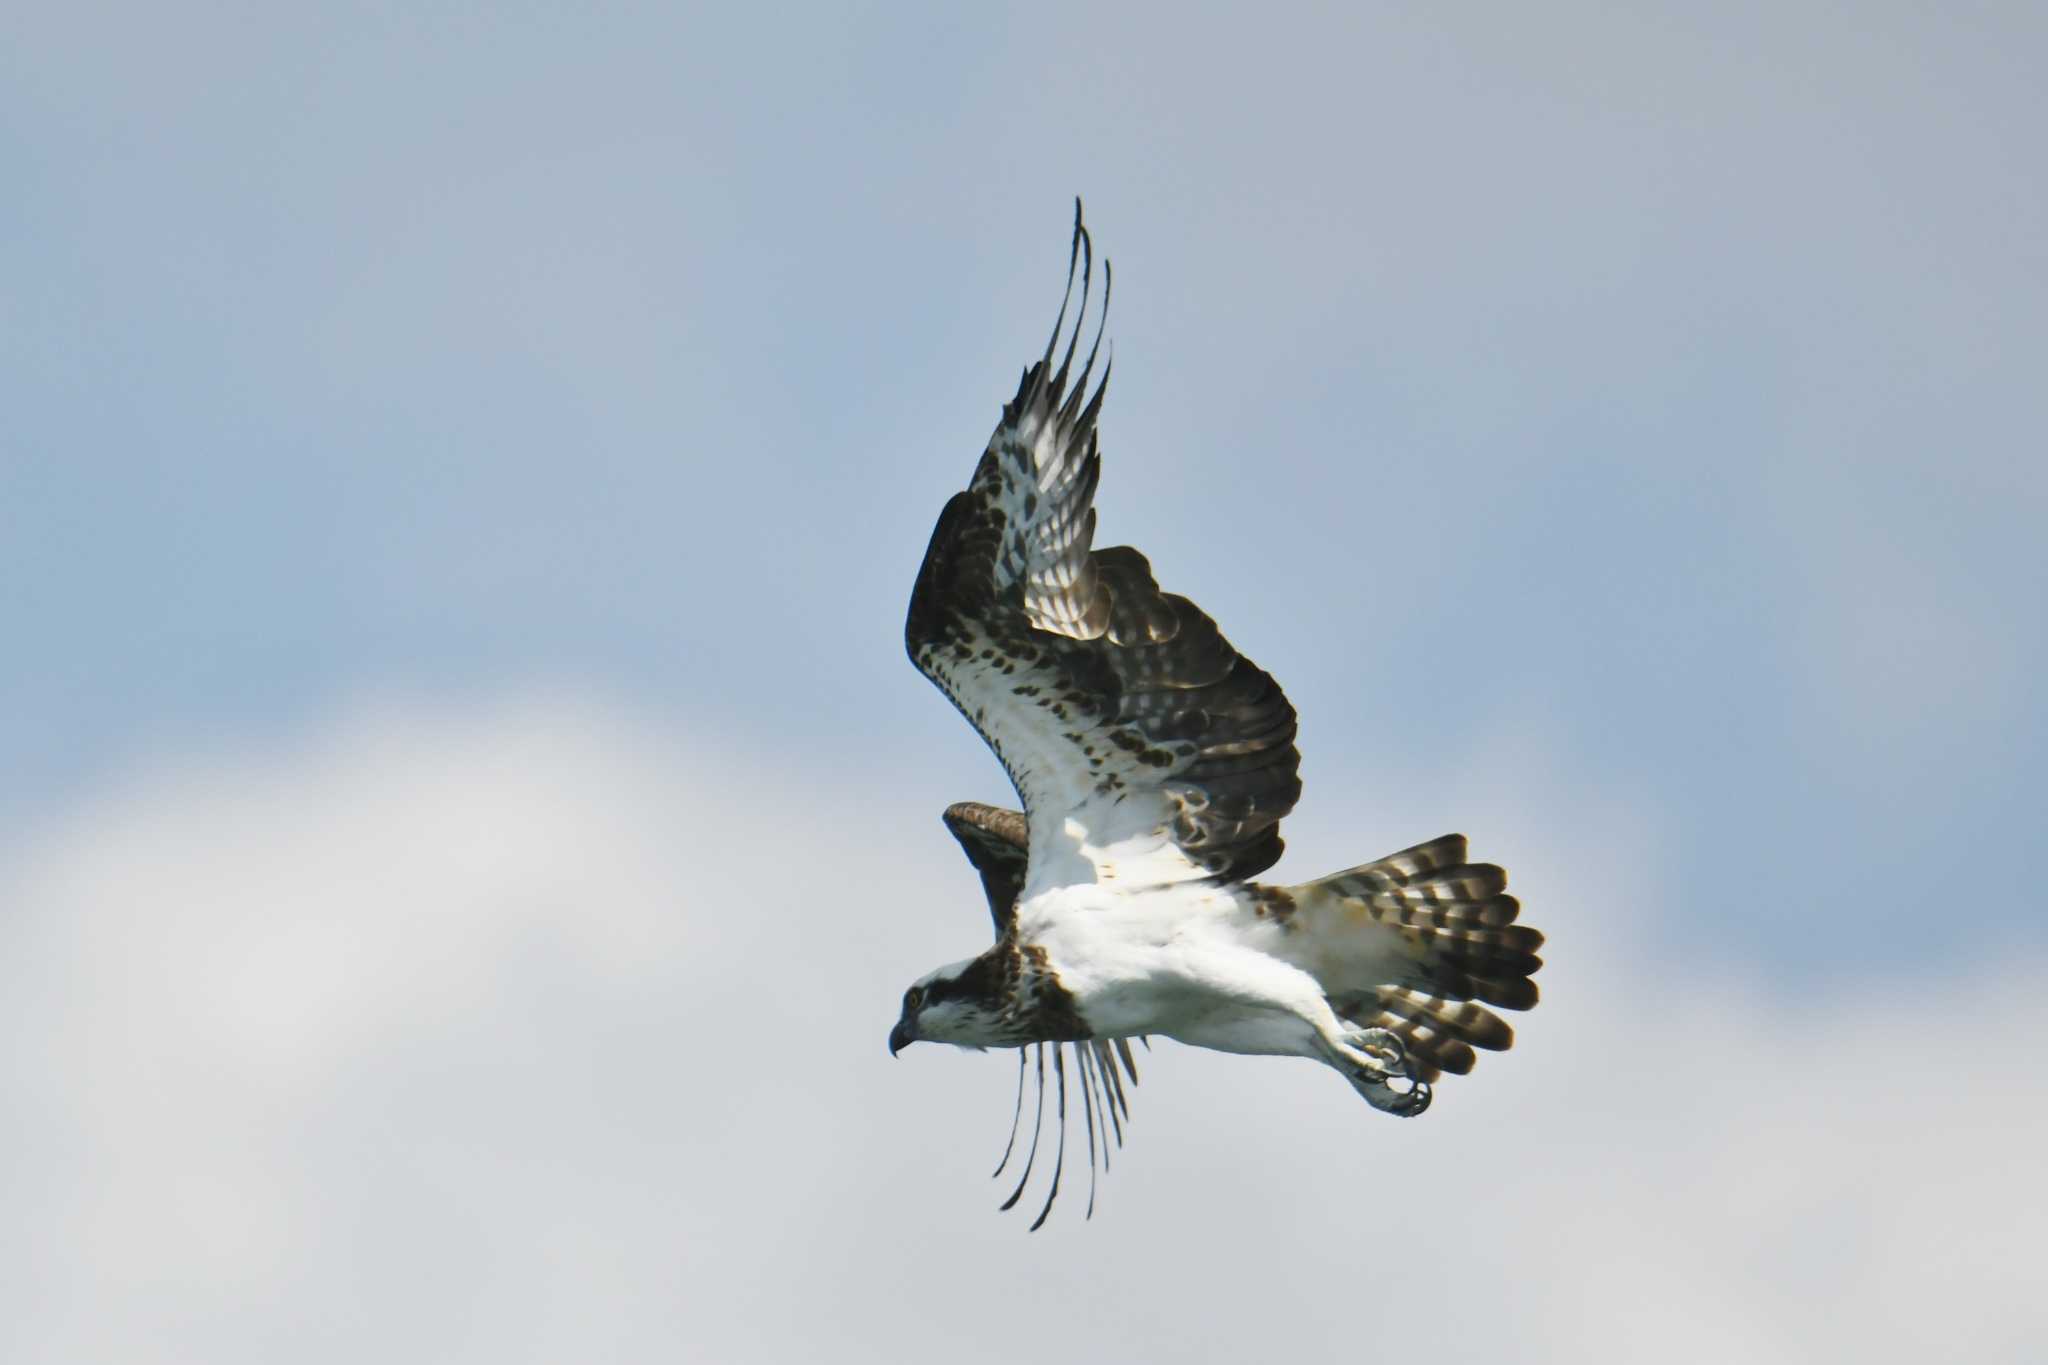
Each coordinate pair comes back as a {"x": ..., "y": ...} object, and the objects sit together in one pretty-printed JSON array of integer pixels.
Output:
[{"x": 1155, "y": 763}]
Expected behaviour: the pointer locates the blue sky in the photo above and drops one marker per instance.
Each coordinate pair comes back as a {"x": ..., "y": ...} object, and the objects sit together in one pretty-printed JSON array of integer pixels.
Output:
[{"x": 1620, "y": 430}]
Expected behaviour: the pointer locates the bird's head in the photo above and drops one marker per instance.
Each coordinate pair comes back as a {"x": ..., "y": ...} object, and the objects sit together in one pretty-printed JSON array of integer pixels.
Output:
[{"x": 962, "y": 1004}]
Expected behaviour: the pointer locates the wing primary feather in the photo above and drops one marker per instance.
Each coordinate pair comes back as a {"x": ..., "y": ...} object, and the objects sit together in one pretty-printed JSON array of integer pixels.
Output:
[
  {"x": 1088, "y": 1118},
  {"x": 1059, "y": 381},
  {"x": 1111, "y": 1085},
  {"x": 1101, "y": 326},
  {"x": 1123, "y": 1049},
  {"x": 1072, "y": 407},
  {"x": 1095, "y": 404},
  {"x": 1105, "y": 1107},
  {"x": 1101, "y": 1101},
  {"x": 1092, "y": 1065},
  {"x": 1073, "y": 255},
  {"x": 1116, "y": 1079},
  {"x": 1016, "y": 1117},
  {"x": 1059, "y": 1160},
  {"x": 1037, "y": 1123},
  {"x": 1105, "y": 1110},
  {"x": 1105, "y": 1066}
]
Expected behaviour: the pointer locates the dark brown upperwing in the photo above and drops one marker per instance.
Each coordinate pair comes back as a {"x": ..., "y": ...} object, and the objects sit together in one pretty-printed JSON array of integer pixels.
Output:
[
  {"x": 1180, "y": 686},
  {"x": 997, "y": 842}
]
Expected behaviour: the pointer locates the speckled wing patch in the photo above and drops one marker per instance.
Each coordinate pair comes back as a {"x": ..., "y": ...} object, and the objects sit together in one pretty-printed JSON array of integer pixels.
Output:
[{"x": 1145, "y": 748}]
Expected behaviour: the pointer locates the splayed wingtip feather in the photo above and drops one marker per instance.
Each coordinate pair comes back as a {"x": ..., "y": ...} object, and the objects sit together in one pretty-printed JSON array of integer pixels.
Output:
[
  {"x": 1059, "y": 1161},
  {"x": 1016, "y": 1117},
  {"x": 1037, "y": 1124},
  {"x": 1059, "y": 381},
  {"x": 1088, "y": 1119},
  {"x": 1060, "y": 323}
]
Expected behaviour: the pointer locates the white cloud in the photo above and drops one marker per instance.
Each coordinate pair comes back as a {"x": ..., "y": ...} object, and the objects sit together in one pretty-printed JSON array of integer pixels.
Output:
[{"x": 540, "y": 1033}]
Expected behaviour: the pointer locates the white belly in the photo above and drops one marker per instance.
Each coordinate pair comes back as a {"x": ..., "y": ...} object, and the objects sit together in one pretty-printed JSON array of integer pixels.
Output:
[{"x": 1186, "y": 962}]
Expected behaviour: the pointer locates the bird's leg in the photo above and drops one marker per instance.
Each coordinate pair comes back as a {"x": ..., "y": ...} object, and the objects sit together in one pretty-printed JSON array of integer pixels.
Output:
[{"x": 1376, "y": 1064}]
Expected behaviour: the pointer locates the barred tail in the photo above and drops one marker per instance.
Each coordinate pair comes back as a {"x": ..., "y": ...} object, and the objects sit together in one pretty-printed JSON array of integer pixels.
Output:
[{"x": 1415, "y": 942}]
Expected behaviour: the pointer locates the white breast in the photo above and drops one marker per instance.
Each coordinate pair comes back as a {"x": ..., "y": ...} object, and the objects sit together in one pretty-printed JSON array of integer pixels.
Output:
[{"x": 1188, "y": 961}]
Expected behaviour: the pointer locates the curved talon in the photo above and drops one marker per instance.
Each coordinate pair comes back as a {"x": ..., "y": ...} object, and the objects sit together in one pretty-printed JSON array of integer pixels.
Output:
[
  {"x": 1381, "y": 1042},
  {"x": 1413, "y": 1101},
  {"x": 1384, "y": 1078},
  {"x": 1388, "y": 1099}
]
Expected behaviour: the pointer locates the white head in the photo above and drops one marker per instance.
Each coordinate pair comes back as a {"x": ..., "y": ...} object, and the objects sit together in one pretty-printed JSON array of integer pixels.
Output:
[{"x": 965, "y": 1003}]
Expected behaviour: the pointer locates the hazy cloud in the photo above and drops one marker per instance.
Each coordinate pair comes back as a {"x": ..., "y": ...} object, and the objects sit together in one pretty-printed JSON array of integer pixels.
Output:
[{"x": 538, "y": 1031}]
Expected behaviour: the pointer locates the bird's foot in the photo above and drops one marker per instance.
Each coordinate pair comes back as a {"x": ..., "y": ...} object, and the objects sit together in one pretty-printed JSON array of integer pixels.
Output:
[{"x": 1376, "y": 1064}]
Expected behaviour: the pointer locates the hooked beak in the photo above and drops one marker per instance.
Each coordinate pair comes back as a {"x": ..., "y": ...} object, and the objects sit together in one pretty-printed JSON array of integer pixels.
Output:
[{"x": 900, "y": 1037}]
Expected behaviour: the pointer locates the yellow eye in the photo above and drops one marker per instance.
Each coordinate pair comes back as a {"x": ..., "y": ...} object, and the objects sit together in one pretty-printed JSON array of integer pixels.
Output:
[{"x": 915, "y": 999}]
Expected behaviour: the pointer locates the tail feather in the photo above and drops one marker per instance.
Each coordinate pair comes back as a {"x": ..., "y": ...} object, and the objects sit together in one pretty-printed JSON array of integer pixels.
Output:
[
  {"x": 1439, "y": 1034},
  {"x": 1397, "y": 869},
  {"x": 1419, "y": 943}
]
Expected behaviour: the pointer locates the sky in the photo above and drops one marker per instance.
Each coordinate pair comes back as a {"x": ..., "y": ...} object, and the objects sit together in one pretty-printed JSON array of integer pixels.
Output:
[{"x": 466, "y": 821}]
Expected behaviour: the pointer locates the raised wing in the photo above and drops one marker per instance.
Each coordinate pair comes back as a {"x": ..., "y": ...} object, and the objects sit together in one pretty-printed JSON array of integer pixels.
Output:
[{"x": 1145, "y": 748}]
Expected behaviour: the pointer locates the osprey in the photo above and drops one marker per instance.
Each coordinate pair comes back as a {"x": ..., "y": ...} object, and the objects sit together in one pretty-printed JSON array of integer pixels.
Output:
[{"x": 1155, "y": 763}]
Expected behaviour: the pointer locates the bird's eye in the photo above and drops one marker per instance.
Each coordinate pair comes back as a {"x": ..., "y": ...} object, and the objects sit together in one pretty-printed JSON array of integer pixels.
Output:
[{"x": 915, "y": 998}]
